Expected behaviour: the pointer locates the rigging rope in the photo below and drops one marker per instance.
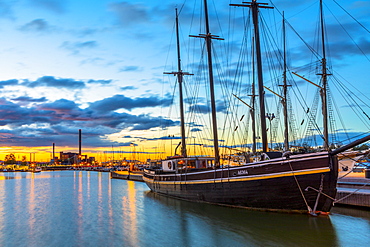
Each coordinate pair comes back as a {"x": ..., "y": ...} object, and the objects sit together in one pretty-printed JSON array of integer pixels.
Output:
[
  {"x": 300, "y": 189},
  {"x": 352, "y": 16},
  {"x": 350, "y": 36}
]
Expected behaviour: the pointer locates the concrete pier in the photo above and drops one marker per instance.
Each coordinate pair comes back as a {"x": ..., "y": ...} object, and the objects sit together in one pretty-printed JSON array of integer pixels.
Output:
[
  {"x": 135, "y": 176},
  {"x": 354, "y": 190}
]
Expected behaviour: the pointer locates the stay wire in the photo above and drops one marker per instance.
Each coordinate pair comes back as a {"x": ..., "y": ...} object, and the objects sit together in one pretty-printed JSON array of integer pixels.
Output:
[{"x": 352, "y": 16}]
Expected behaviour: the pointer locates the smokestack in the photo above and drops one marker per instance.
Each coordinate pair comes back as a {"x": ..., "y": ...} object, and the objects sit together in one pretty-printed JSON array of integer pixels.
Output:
[
  {"x": 79, "y": 141},
  {"x": 53, "y": 152}
]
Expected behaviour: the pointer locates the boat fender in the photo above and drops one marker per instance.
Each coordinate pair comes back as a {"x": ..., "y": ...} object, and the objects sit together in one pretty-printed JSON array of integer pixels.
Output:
[
  {"x": 264, "y": 156},
  {"x": 287, "y": 154}
]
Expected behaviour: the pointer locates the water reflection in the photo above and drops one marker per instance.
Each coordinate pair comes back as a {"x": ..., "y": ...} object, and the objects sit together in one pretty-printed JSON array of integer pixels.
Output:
[
  {"x": 80, "y": 207},
  {"x": 2, "y": 202},
  {"x": 100, "y": 209},
  {"x": 31, "y": 206},
  {"x": 352, "y": 226},
  {"x": 353, "y": 212},
  {"x": 129, "y": 213},
  {"x": 110, "y": 207},
  {"x": 218, "y": 225},
  {"x": 76, "y": 208}
]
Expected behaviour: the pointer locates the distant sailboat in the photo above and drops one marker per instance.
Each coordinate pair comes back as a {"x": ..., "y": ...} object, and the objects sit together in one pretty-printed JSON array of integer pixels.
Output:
[{"x": 36, "y": 169}]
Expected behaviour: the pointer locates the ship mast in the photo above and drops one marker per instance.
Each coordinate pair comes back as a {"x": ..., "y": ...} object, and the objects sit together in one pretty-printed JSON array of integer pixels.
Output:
[
  {"x": 285, "y": 94},
  {"x": 323, "y": 90},
  {"x": 254, "y": 6},
  {"x": 208, "y": 38},
  {"x": 180, "y": 75},
  {"x": 252, "y": 111}
]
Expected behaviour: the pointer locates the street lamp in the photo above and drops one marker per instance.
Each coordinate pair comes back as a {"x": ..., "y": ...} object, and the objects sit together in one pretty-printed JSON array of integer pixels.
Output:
[
  {"x": 171, "y": 137},
  {"x": 270, "y": 117}
]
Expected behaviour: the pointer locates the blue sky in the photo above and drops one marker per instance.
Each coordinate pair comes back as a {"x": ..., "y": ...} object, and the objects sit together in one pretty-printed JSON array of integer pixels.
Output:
[{"x": 97, "y": 65}]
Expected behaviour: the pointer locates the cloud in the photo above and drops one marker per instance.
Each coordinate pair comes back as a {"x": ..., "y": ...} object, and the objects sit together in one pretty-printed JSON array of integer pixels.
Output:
[
  {"x": 289, "y": 4},
  {"x": 59, "y": 121},
  {"x": 341, "y": 50},
  {"x": 86, "y": 31},
  {"x": 76, "y": 47},
  {"x": 34, "y": 136},
  {"x": 50, "y": 81},
  {"x": 206, "y": 109},
  {"x": 162, "y": 138},
  {"x": 61, "y": 105},
  {"x": 122, "y": 102},
  {"x": 145, "y": 122},
  {"x": 27, "y": 99},
  {"x": 128, "y": 88},
  {"x": 129, "y": 68},
  {"x": 198, "y": 108},
  {"x": 37, "y": 25},
  {"x": 6, "y": 10},
  {"x": 102, "y": 82},
  {"x": 11, "y": 82},
  {"x": 11, "y": 113},
  {"x": 129, "y": 14},
  {"x": 55, "y": 6},
  {"x": 192, "y": 100}
]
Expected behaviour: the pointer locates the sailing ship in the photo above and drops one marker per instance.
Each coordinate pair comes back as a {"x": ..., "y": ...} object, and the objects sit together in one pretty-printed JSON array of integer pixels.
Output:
[{"x": 277, "y": 181}]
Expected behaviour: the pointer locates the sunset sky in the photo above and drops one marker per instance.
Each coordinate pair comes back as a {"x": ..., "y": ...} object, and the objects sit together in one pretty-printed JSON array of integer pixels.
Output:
[{"x": 98, "y": 66}]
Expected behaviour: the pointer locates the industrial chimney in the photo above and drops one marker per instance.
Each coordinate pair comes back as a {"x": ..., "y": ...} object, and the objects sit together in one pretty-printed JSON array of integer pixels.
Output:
[
  {"x": 53, "y": 152},
  {"x": 79, "y": 141}
]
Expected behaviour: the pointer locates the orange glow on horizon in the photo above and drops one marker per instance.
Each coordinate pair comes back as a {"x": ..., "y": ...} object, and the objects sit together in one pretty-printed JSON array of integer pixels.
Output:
[{"x": 141, "y": 151}]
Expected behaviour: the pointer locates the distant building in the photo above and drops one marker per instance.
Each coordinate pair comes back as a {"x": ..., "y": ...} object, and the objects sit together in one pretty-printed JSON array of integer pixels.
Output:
[{"x": 74, "y": 158}]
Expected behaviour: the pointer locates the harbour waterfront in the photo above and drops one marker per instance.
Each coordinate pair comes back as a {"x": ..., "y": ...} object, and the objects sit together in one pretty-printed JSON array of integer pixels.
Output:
[{"x": 82, "y": 208}]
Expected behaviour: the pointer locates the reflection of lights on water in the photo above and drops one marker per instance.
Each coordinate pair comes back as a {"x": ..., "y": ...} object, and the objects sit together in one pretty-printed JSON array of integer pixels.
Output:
[
  {"x": 88, "y": 186},
  {"x": 110, "y": 209},
  {"x": 100, "y": 198},
  {"x": 129, "y": 212},
  {"x": 32, "y": 207},
  {"x": 80, "y": 205},
  {"x": 2, "y": 201}
]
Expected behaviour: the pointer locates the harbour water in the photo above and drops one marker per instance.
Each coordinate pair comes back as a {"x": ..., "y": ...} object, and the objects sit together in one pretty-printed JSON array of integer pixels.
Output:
[{"x": 81, "y": 208}]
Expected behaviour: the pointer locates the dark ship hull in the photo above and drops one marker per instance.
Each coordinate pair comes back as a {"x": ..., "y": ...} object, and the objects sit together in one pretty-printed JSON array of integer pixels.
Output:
[{"x": 302, "y": 183}]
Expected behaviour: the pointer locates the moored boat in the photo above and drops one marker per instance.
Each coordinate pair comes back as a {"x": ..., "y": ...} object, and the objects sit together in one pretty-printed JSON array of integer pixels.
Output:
[
  {"x": 36, "y": 169},
  {"x": 286, "y": 184},
  {"x": 273, "y": 181}
]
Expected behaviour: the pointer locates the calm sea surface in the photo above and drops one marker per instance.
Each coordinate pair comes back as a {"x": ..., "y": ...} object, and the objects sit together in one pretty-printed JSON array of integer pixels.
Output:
[{"x": 78, "y": 208}]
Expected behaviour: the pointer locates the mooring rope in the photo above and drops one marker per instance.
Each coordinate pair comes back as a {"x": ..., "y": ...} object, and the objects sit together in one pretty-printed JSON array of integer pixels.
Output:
[{"x": 300, "y": 189}]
